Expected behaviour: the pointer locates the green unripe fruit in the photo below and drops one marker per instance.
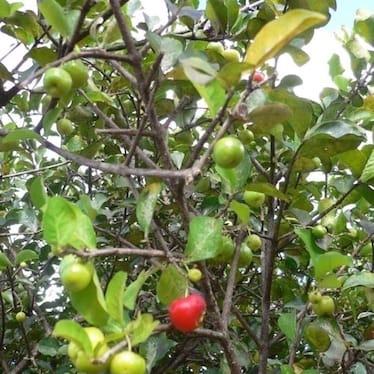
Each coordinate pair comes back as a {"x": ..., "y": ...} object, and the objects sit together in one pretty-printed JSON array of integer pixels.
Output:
[
  {"x": 127, "y": 362},
  {"x": 254, "y": 199},
  {"x": 78, "y": 72},
  {"x": 225, "y": 251},
  {"x": 228, "y": 152},
  {"x": 194, "y": 275},
  {"x": 325, "y": 307},
  {"x": 64, "y": 127},
  {"x": 325, "y": 204},
  {"x": 75, "y": 275},
  {"x": 254, "y": 242},
  {"x": 57, "y": 82},
  {"x": 314, "y": 296},
  {"x": 231, "y": 55},
  {"x": 246, "y": 136},
  {"x": 245, "y": 255},
  {"x": 319, "y": 231},
  {"x": 20, "y": 317}
]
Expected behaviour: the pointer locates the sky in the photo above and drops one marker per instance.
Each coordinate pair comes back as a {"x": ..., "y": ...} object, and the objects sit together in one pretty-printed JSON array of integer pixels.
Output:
[{"x": 315, "y": 72}]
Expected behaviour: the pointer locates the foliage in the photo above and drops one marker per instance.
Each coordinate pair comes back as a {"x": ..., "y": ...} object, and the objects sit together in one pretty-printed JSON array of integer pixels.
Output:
[{"x": 134, "y": 192}]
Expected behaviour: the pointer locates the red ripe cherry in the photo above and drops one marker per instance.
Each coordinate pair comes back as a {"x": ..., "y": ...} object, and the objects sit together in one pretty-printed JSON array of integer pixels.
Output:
[
  {"x": 258, "y": 77},
  {"x": 186, "y": 313}
]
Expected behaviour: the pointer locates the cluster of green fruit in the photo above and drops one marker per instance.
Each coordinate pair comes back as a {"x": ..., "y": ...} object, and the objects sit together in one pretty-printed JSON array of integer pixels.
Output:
[
  {"x": 76, "y": 276},
  {"x": 226, "y": 250},
  {"x": 122, "y": 362},
  {"x": 322, "y": 305},
  {"x": 59, "y": 81}
]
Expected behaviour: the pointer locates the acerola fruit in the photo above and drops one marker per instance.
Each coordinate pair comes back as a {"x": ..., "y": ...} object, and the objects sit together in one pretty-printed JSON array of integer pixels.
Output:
[
  {"x": 57, "y": 82},
  {"x": 258, "y": 77},
  {"x": 186, "y": 313},
  {"x": 254, "y": 199},
  {"x": 228, "y": 152},
  {"x": 64, "y": 127},
  {"x": 225, "y": 251},
  {"x": 246, "y": 136},
  {"x": 20, "y": 317},
  {"x": 194, "y": 275},
  {"x": 79, "y": 357},
  {"x": 314, "y": 296},
  {"x": 325, "y": 307},
  {"x": 231, "y": 55},
  {"x": 319, "y": 231},
  {"x": 254, "y": 242},
  {"x": 76, "y": 276},
  {"x": 78, "y": 72},
  {"x": 245, "y": 255},
  {"x": 127, "y": 362}
]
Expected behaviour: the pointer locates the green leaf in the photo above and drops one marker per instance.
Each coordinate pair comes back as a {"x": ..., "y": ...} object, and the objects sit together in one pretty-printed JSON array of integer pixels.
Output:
[
  {"x": 198, "y": 71},
  {"x": 5, "y": 73},
  {"x": 368, "y": 172},
  {"x": 287, "y": 324},
  {"x": 64, "y": 225},
  {"x": 234, "y": 179},
  {"x": 55, "y": 16},
  {"x": 43, "y": 55},
  {"x": 37, "y": 192},
  {"x": 4, "y": 261},
  {"x": 146, "y": 205},
  {"x": 114, "y": 296},
  {"x": 171, "y": 285},
  {"x": 331, "y": 138},
  {"x": 4, "y": 9},
  {"x": 204, "y": 238},
  {"x": 329, "y": 261},
  {"x": 306, "y": 236},
  {"x": 364, "y": 25},
  {"x": 26, "y": 255},
  {"x": 131, "y": 293},
  {"x": 216, "y": 12},
  {"x": 90, "y": 302},
  {"x": 20, "y": 134},
  {"x": 278, "y": 33},
  {"x": 73, "y": 331},
  {"x": 267, "y": 116},
  {"x": 142, "y": 328},
  {"x": 213, "y": 94},
  {"x": 241, "y": 210},
  {"x": 364, "y": 278},
  {"x": 367, "y": 346}
]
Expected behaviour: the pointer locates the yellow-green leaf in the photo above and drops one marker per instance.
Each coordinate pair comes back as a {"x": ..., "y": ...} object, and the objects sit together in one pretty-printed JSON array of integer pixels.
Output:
[{"x": 278, "y": 33}]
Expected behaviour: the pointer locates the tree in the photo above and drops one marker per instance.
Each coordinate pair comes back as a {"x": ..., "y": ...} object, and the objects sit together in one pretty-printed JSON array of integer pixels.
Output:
[{"x": 130, "y": 191}]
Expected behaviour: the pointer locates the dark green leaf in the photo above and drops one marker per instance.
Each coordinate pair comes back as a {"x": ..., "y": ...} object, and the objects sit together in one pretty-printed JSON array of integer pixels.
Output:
[{"x": 171, "y": 285}]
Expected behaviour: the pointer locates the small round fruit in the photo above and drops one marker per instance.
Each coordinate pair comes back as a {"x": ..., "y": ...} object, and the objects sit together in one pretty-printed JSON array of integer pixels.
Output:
[
  {"x": 64, "y": 127},
  {"x": 76, "y": 276},
  {"x": 127, "y": 362},
  {"x": 254, "y": 242},
  {"x": 215, "y": 46},
  {"x": 245, "y": 255},
  {"x": 20, "y": 317},
  {"x": 23, "y": 264},
  {"x": 254, "y": 199},
  {"x": 186, "y": 313},
  {"x": 73, "y": 350},
  {"x": 324, "y": 204},
  {"x": 314, "y": 296},
  {"x": 57, "y": 82},
  {"x": 258, "y": 77},
  {"x": 228, "y": 152},
  {"x": 325, "y": 307},
  {"x": 231, "y": 55},
  {"x": 246, "y": 136},
  {"x": 78, "y": 72},
  {"x": 81, "y": 360},
  {"x": 319, "y": 231},
  {"x": 225, "y": 251},
  {"x": 194, "y": 275}
]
